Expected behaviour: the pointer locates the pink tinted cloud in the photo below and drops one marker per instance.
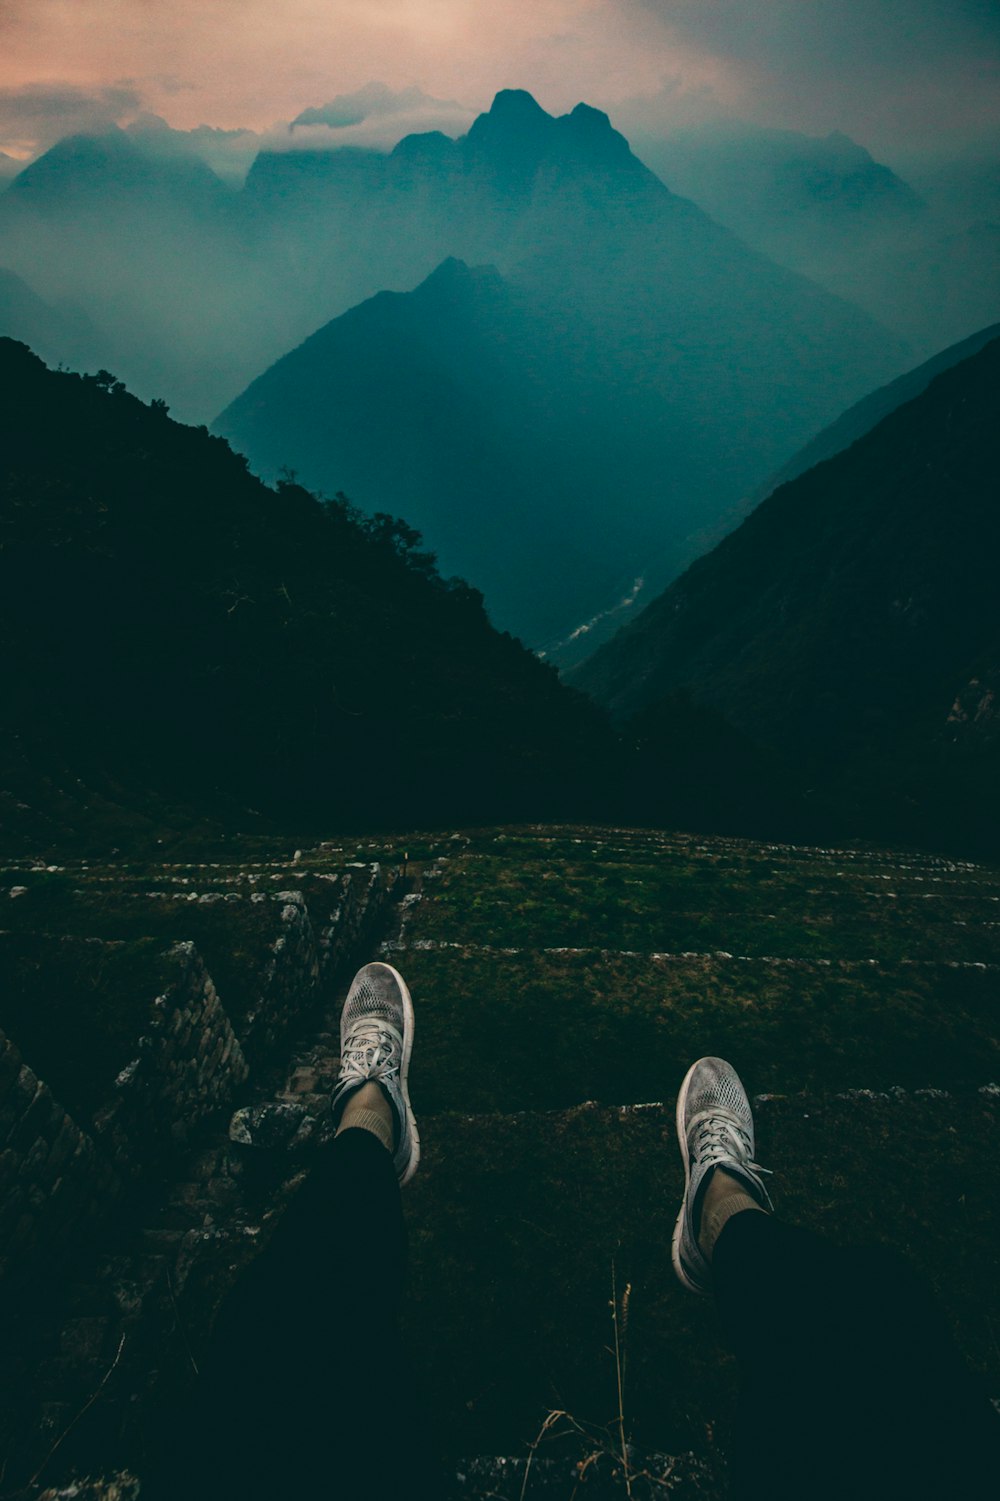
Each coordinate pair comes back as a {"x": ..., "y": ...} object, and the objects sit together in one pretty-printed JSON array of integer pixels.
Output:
[
  {"x": 881, "y": 69},
  {"x": 249, "y": 62}
]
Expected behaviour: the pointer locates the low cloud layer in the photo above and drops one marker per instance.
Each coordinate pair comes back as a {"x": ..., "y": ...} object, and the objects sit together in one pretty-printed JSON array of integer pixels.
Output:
[
  {"x": 34, "y": 115},
  {"x": 893, "y": 73},
  {"x": 375, "y": 115}
]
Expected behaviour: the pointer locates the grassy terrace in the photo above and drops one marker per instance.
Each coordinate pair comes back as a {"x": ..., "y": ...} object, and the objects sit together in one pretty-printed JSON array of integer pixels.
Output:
[
  {"x": 677, "y": 903},
  {"x": 817, "y": 972},
  {"x": 81, "y": 953},
  {"x": 527, "y": 1031},
  {"x": 233, "y": 936},
  {"x": 554, "y": 971},
  {"x": 555, "y": 967}
]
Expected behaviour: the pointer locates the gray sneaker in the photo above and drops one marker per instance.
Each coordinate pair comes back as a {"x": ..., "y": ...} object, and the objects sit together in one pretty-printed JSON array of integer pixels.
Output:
[
  {"x": 376, "y": 1037},
  {"x": 715, "y": 1129}
]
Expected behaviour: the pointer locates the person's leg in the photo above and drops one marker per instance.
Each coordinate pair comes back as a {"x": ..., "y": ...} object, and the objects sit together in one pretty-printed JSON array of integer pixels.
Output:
[
  {"x": 305, "y": 1389},
  {"x": 297, "y": 1349},
  {"x": 851, "y": 1381}
]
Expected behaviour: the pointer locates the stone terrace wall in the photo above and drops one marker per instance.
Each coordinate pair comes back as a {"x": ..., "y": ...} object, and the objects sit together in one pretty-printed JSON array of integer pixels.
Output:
[
  {"x": 188, "y": 1066},
  {"x": 53, "y": 1182},
  {"x": 290, "y": 980},
  {"x": 313, "y": 943},
  {"x": 359, "y": 897}
]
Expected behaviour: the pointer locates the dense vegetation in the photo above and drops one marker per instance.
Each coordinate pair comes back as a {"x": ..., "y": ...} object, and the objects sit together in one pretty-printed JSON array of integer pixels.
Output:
[{"x": 176, "y": 635}]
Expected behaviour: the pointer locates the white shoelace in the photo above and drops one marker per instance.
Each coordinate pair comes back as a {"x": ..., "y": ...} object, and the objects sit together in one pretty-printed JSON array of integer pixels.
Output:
[
  {"x": 719, "y": 1140},
  {"x": 373, "y": 1050}
]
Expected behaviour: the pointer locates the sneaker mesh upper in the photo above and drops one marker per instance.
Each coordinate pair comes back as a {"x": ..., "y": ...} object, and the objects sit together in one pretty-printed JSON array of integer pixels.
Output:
[
  {"x": 373, "y": 994},
  {"x": 719, "y": 1085}
]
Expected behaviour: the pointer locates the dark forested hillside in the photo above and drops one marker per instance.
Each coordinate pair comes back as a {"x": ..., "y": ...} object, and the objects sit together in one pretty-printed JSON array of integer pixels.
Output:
[
  {"x": 171, "y": 629},
  {"x": 852, "y": 623}
]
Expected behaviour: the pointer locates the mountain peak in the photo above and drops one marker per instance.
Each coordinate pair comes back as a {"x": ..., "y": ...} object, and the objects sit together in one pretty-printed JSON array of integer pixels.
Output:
[
  {"x": 454, "y": 275},
  {"x": 517, "y": 133},
  {"x": 592, "y": 129},
  {"x": 515, "y": 121},
  {"x": 517, "y": 105},
  {"x": 452, "y": 268},
  {"x": 586, "y": 114}
]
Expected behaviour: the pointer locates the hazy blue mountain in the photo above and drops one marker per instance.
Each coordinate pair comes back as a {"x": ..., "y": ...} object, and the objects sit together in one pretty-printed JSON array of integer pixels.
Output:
[
  {"x": 206, "y": 284},
  {"x": 514, "y": 430},
  {"x": 852, "y": 623},
  {"x": 801, "y": 199},
  {"x": 461, "y": 404},
  {"x": 946, "y": 287},
  {"x": 227, "y": 153},
  {"x": 147, "y": 244},
  {"x": 60, "y": 334},
  {"x": 641, "y": 372},
  {"x": 825, "y": 207}
]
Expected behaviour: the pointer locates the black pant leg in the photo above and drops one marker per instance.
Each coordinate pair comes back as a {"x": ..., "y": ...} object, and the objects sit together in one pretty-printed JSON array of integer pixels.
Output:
[
  {"x": 852, "y": 1384},
  {"x": 305, "y": 1389}
]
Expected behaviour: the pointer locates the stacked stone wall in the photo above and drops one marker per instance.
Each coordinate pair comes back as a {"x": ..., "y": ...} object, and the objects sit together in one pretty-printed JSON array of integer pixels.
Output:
[
  {"x": 115, "y": 1307},
  {"x": 362, "y": 893},
  {"x": 290, "y": 980},
  {"x": 189, "y": 1063},
  {"x": 187, "y": 1066},
  {"x": 53, "y": 1182},
  {"x": 309, "y": 949}
]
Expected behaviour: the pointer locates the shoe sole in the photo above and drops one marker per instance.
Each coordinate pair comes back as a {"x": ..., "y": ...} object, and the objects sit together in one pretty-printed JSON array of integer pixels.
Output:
[
  {"x": 675, "y": 1244},
  {"x": 404, "y": 1070}
]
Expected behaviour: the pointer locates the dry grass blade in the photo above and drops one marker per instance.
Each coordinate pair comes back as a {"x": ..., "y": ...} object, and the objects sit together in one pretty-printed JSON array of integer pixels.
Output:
[
  {"x": 550, "y": 1421},
  {"x": 620, "y": 1321},
  {"x": 72, "y": 1424}
]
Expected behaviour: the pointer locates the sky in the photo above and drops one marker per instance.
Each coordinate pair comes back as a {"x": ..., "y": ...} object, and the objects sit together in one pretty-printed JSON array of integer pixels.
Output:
[{"x": 898, "y": 75}]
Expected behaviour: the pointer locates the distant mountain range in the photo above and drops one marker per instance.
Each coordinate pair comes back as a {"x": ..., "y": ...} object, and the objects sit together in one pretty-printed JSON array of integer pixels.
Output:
[
  {"x": 852, "y": 623},
  {"x": 565, "y": 425},
  {"x": 928, "y": 269},
  {"x": 801, "y": 199},
  {"x": 200, "y": 284}
]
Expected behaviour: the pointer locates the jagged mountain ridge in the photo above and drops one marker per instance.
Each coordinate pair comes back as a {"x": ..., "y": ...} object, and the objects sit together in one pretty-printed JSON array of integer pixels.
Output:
[
  {"x": 852, "y": 622},
  {"x": 205, "y": 285},
  {"x": 654, "y": 369}
]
